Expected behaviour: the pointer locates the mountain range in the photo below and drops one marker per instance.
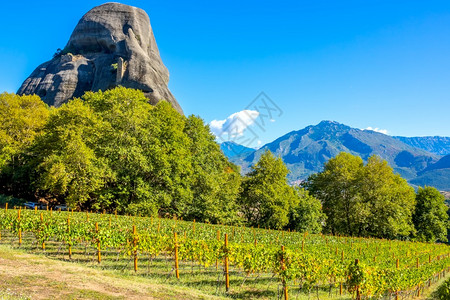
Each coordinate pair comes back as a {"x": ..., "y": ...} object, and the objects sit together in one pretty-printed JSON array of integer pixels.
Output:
[
  {"x": 419, "y": 160},
  {"x": 435, "y": 144}
]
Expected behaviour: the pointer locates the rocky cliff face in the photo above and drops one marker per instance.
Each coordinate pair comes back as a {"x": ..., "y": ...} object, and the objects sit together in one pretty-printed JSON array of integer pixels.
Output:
[{"x": 113, "y": 44}]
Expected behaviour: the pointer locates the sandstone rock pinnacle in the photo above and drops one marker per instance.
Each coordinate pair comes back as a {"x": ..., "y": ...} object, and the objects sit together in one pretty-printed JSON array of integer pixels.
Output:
[{"x": 113, "y": 44}]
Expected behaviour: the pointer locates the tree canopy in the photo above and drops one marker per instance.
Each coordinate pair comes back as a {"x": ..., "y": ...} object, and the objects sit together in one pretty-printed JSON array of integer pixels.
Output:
[
  {"x": 430, "y": 216},
  {"x": 113, "y": 150},
  {"x": 363, "y": 200}
]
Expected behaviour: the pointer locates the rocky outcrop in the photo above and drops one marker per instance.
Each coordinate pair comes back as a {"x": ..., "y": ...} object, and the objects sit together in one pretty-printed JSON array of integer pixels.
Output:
[{"x": 113, "y": 44}]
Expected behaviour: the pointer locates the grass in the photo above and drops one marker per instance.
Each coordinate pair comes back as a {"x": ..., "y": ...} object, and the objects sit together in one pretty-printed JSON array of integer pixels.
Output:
[{"x": 33, "y": 276}]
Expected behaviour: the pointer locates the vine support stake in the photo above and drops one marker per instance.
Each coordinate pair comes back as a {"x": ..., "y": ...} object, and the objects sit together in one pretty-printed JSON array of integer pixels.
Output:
[
  {"x": 70, "y": 241},
  {"x": 176, "y": 256},
  {"x": 135, "y": 248},
  {"x": 99, "y": 254},
  {"x": 358, "y": 293},
  {"x": 43, "y": 242},
  {"x": 20, "y": 229},
  {"x": 397, "y": 265},
  {"x": 283, "y": 268},
  {"x": 227, "y": 275},
  {"x": 6, "y": 206}
]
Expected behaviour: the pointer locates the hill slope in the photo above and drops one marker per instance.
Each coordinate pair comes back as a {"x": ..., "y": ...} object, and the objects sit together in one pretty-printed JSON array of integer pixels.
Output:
[
  {"x": 437, "y": 175},
  {"x": 306, "y": 150},
  {"x": 435, "y": 144},
  {"x": 231, "y": 149}
]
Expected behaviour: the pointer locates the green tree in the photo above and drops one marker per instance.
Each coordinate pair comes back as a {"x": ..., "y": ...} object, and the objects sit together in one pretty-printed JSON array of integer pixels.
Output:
[
  {"x": 430, "y": 217},
  {"x": 337, "y": 188},
  {"x": 66, "y": 167},
  {"x": 384, "y": 193},
  {"x": 113, "y": 150},
  {"x": 364, "y": 200},
  {"x": 266, "y": 197},
  {"x": 215, "y": 181},
  {"x": 147, "y": 152},
  {"x": 306, "y": 215},
  {"x": 21, "y": 119}
]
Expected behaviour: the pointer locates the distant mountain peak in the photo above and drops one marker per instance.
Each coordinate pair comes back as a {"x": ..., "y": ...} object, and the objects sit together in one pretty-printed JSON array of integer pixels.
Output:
[{"x": 306, "y": 150}]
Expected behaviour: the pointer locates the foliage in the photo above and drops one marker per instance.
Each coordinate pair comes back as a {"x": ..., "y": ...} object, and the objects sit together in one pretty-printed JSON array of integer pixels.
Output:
[
  {"x": 216, "y": 182},
  {"x": 22, "y": 119},
  {"x": 11, "y": 201},
  {"x": 443, "y": 292},
  {"x": 306, "y": 215},
  {"x": 66, "y": 164},
  {"x": 430, "y": 217},
  {"x": 113, "y": 150},
  {"x": 266, "y": 197},
  {"x": 354, "y": 196}
]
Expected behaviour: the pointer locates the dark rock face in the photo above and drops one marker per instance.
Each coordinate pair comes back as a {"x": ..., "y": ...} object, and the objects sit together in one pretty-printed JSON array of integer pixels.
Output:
[{"x": 113, "y": 44}]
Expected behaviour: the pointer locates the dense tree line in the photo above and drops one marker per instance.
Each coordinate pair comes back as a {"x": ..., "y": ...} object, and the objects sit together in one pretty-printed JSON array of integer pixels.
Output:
[
  {"x": 371, "y": 200},
  {"x": 114, "y": 151}
]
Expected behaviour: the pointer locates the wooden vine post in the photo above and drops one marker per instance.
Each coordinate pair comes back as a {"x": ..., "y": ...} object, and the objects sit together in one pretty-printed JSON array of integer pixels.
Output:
[
  {"x": 358, "y": 292},
  {"x": 43, "y": 242},
  {"x": 397, "y": 265},
  {"x": 70, "y": 240},
  {"x": 283, "y": 268},
  {"x": 135, "y": 248},
  {"x": 20, "y": 229},
  {"x": 99, "y": 254},
  {"x": 6, "y": 206},
  {"x": 227, "y": 275},
  {"x": 177, "y": 273},
  {"x": 418, "y": 286}
]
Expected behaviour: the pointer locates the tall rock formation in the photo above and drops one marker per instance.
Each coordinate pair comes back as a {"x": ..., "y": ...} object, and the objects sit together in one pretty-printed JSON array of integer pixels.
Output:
[{"x": 113, "y": 44}]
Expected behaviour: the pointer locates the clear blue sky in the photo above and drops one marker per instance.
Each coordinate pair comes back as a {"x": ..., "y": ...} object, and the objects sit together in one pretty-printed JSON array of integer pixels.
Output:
[{"x": 383, "y": 64}]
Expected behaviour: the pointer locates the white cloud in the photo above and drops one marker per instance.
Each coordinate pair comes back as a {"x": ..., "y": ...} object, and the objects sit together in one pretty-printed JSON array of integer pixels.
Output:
[
  {"x": 235, "y": 124},
  {"x": 383, "y": 131}
]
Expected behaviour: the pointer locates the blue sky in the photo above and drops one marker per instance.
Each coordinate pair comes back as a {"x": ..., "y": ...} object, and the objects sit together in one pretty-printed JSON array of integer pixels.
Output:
[{"x": 379, "y": 64}]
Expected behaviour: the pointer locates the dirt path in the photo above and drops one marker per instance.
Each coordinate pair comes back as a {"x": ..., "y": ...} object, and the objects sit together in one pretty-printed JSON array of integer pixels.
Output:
[{"x": 31, "y": 276}]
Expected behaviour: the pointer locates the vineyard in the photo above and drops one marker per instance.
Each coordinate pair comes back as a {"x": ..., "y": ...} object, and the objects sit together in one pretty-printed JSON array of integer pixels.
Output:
[{"x": 238, "y": 262}]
